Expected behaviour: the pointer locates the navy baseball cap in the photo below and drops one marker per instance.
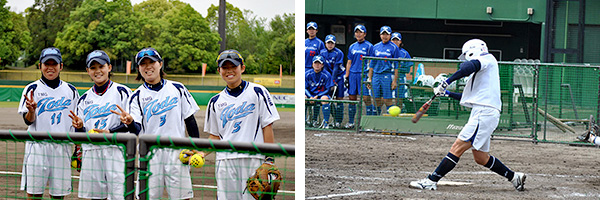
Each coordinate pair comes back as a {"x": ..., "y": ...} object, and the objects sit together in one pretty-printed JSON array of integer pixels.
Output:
[
  {"x": 147, "y": 53},
  {"x": 99, "y": 56},
  {"x": 50, "y": 53},
  {"x": 318, "y": 58},
  {"x": 230, "y": 55},
  {"x": 330, "y": 38},
  {"x": 312, "y": 25},
  {"x": 385, "y": 29},
  {"x": 397, "y": 36},
  {"x": 361, "y": 28}
]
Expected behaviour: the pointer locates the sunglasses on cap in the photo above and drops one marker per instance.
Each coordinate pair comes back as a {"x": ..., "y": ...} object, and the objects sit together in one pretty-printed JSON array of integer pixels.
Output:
[
  {"x": 230, "y": 54},
  {"x": 141, "y": 54}
]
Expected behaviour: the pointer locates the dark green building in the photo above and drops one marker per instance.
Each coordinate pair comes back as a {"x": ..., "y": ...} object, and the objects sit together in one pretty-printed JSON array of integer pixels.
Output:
[{"x": 550, "y": 30}]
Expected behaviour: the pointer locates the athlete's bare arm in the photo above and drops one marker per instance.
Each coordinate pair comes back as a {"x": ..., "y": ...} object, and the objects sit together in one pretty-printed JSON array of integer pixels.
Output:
[{"x": 268, "y": 134}]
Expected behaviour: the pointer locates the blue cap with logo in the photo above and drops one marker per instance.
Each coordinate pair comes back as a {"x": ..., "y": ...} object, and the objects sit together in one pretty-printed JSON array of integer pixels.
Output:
[
  {"x": 385, "y": 29},
  {"x": 312, "y": 25},
  {"x": 50, "y": 53},
  {"x": 318, "y": 58},
  {"x": 330, "y": 38},
  {"x": 361, "y": 28},
  {"x": 397, "y": 36},
  {"x": 150, "y": 53},
  {"x": 99, "y": 56}
]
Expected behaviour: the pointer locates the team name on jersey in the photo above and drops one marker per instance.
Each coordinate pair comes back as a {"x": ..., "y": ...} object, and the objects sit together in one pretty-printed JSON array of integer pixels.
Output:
[
  {"x": 312, "y": 48},
  {"x": 359, "y": 51},
  {"x": 97, "y": 111},
  {"x": 385, "y": 53},
  {"x": 231, "y": 112},
  {"x": 156, "y": 108},
  {"x": 51, "y": 105}
]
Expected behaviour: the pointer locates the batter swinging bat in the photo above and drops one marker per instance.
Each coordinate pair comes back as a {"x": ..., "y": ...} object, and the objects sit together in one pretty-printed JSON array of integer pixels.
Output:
[{"x": 422, "y": 110}]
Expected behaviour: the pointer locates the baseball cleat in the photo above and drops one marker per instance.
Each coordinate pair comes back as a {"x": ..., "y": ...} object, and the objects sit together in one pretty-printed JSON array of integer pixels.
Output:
[
  {"x": 325, "y": 125},
  {"x": 315, "y": 123},
  {"x": 337, "y": 125},
  {"x": 424, "y": 184},
  {"x": 519, "y": 181},
  {"x": 349, "y": 125},
  {"x": 584, "y": 137}
]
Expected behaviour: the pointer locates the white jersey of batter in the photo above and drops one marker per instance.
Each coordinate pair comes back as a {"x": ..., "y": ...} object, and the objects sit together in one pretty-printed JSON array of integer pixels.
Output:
[
  {"x": 483, "y": 87},
  {"x": 241, "y": 118},
  {"x": 53, "y": 106},
  {"x": 163, "y": 112},
  {"x": 94, "y": 110}
]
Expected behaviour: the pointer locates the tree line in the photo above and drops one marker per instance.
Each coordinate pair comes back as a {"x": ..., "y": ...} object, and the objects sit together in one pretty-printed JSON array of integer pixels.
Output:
[{"x": 183, "y": 36}]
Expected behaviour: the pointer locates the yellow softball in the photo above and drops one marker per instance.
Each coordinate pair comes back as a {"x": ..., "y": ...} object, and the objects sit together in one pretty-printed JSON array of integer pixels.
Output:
[
  {"x": 197, "y": 161},
  {"x": 184, "y": 157}
]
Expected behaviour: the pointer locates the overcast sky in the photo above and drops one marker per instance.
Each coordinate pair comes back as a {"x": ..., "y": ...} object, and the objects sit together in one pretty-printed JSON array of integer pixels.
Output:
[{"x": 261, "y": 8}]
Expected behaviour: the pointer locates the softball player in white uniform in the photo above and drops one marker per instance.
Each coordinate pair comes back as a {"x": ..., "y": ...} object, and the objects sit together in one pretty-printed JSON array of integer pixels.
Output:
[
  {"x": 45, "y": 106},
  {"x": 102, "y": 170},
  {"x": 482, "y": 94},
  {"x": 242, "y": 112},
  {"x": 166, "y": 108}
]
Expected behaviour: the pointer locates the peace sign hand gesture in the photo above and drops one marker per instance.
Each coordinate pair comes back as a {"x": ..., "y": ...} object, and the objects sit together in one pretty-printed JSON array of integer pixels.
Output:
[
  {"x": 126, "y": 118},
  {"x": 30, "y": 103},
  {"x": 77, "y": 122}
]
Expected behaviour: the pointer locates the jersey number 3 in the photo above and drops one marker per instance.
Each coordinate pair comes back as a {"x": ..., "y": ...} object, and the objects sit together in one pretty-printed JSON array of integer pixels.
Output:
[{"x": 163, "y": 119}]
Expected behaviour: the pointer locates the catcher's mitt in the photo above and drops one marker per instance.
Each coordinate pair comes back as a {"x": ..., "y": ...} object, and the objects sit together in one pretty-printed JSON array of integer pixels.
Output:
[
  {"x": 264, "y": 183},
  {"x": 76, "y": 158}
]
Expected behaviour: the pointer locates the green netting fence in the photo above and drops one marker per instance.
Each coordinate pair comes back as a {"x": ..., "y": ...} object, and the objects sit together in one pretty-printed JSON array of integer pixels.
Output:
[
  {"x": 14, "y": 141},
  {"x": 568, "y": 92},
  {"x": 203, "y": 179}
]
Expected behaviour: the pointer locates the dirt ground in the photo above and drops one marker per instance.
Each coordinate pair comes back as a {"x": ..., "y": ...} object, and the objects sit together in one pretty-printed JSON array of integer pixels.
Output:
[
  {"x": 342, "y": 165},
  {"x": 11, "y": 159}
]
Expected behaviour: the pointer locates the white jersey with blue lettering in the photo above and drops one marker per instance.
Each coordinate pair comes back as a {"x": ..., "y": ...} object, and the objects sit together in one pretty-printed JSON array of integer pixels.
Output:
[
  {"x": 46, "y": 164},
  {"x": 94, "y": 110},
  {"x": 164, "y": 111},
  {"x": 241, "y": 118},
  {"x": 483, "y": 87},
  {"x": 53, "y": 106}
]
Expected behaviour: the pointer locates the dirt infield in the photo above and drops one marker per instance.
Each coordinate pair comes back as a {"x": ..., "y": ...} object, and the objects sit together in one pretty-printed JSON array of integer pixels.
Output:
[
  {"x": 11, "y": 158},
  {"x": 342, "y": 165}
]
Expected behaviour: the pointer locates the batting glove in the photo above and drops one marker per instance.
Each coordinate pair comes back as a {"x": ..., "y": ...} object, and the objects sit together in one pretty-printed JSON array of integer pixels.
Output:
[
  {"x": 346, "y": 82},
  {"x": 440, "y": 90}
]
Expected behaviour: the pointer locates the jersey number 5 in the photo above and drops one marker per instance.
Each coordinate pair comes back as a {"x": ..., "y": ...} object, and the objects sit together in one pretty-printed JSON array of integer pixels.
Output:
[{"x": 236, "y": 127}]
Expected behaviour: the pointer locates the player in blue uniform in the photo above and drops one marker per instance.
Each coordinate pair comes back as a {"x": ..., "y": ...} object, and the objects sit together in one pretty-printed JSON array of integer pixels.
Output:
[
  {"x": 317, "y": 84},
  {"x": 404, "y": 67},
  {"x": 482, "y": 95},
  {"x": 334, "y": 59},
  {"x": 312, "y": 45},
  {"x": 356, "y": 51},
  {"x": 382, "y": 72},
  {"x": 45, "y": 106},
  {"x": 162, "y": 107}
]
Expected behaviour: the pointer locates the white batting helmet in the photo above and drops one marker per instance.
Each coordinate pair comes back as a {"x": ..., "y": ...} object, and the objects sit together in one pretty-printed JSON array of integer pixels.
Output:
[{"x": 473, "y": 49}]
